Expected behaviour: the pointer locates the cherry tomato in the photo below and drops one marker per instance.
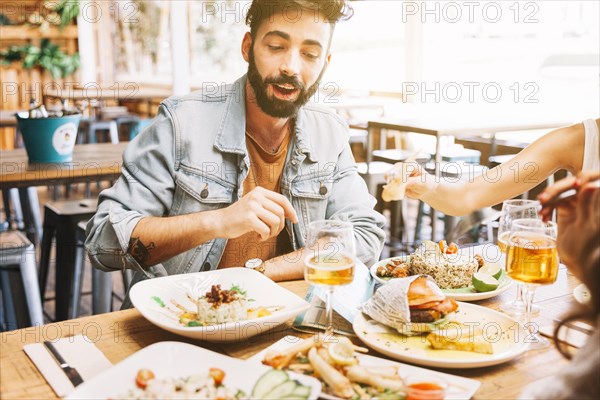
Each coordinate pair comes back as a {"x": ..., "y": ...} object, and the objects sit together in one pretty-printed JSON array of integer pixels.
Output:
[
  {"x": 143, "y": 377},
  {"x": 217, "y": 374}
]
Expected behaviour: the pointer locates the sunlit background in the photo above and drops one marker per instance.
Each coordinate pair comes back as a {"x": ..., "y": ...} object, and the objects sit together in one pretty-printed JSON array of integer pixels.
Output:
[{"x": 527, "y": 57}]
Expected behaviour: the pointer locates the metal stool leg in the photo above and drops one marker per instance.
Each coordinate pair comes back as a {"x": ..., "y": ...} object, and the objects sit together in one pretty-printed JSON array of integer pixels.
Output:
[
  {"x": 10, "y": 318},
  {"x": 77, "y": 281},
  {"x": 101, "y": 291},
  {"x": 45, "y": 257},
  {"x": 114, "y": 132},
  {"x": 30, "y": 284},
  {"x": 16, "y": 203}
]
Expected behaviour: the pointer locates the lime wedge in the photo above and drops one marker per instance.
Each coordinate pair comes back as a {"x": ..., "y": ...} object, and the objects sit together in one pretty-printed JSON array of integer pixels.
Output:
[
  {"x": 491, "y": 268},
  {"x": 484, "y": 282}
]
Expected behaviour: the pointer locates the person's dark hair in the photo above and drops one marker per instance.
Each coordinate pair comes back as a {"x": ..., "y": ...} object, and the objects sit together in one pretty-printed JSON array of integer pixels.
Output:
[
  {"x": 331, "y": 11},
  {"x": 591, "y": 278}
]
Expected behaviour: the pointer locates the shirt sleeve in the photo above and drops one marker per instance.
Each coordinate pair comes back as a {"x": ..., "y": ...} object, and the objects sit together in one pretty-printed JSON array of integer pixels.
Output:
[{"x": 144, "y": 188}]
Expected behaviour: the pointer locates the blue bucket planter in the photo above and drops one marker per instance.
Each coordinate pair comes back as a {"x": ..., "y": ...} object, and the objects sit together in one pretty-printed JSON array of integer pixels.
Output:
[{"x": 49, "y": 139}]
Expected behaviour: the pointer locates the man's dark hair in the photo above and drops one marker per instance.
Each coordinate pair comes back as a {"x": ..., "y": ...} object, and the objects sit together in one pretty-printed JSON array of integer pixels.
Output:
[{"x": 331, "y": 11}]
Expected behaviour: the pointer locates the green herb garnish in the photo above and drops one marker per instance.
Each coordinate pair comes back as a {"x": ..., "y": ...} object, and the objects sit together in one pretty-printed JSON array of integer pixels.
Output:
[
  {"x": 238, "y": 289},
  {"x": 158, "y": 301}
]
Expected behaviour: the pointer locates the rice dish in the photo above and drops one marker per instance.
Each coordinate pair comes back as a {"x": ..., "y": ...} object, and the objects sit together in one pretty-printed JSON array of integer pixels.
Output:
[
  {"x": 236, "y": 310},
  {"x": 448, "y": 271},
  {"x": 219, "y": 306},
  {"x": 199, "y": 386}
]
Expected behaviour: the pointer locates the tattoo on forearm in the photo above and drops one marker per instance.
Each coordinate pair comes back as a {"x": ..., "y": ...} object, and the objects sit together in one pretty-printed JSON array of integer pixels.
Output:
[{"x": 139, "y": 250}]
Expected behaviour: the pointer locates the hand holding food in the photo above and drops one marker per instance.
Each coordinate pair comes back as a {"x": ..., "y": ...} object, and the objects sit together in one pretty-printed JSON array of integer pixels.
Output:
[{"x": 397, "y": 178}]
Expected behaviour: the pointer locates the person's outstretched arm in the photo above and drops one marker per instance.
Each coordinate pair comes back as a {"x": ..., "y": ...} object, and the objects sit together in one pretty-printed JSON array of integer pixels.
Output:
[{"x": 560, "y": 149}]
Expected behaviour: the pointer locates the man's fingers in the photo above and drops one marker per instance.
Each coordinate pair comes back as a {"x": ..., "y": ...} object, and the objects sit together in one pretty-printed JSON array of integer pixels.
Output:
[
  {"x": 272, "y": 221},
  {"x": 282, "y": 201},
  {"x": 261, "y": 228},
  {"x": 277, "y": 210}
]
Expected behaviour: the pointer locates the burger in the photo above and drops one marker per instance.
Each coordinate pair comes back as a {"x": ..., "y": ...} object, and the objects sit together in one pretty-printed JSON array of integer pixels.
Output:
[{"x": 429, "y": 307}]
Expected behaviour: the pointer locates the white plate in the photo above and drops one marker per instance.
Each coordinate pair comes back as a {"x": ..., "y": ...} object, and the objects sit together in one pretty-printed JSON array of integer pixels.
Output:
[
  {"x": 582, "y": 294},
  {"x": 509, "y": 340},
  {"x": 261, "y": 289},
  {"x": 175, "y": 359},
  {"x": 458, "y": 387},
  {"x": 463, "y": 294}
]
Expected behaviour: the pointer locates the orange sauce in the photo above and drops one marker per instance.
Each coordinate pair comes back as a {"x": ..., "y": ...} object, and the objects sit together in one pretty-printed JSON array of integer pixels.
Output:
[{"x": 425, "y": 391}]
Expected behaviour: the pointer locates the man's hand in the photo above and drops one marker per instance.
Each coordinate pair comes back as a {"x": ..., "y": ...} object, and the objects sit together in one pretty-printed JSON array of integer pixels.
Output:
[{"x": 261, "y": 211}]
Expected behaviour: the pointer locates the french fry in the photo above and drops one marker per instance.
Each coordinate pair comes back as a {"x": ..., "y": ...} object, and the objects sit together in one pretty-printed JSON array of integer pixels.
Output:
[
  {"x": 390, "y": 372},
  {"x": 362, "y": 375},
  {"x": 340, "y": 385},
  {"x": 281, "y": 359}
]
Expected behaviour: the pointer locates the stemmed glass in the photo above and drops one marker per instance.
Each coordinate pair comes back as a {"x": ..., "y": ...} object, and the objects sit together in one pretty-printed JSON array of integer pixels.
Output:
[
  {"x": 511, "y": 210},
  {"x": 532, "y": 259},
  {"x": 330, "y": 260}
]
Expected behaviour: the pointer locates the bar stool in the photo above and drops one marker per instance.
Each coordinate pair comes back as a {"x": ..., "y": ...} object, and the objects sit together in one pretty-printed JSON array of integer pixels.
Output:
[
  {"x": 60, "y": 222},
  {"x": 102, "y": 292},
  {"x": 17, "y": 250}
]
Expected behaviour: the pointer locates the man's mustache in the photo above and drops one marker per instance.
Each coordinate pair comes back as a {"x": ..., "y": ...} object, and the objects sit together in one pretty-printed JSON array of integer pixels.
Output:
[{"x": 283, "y": 80}]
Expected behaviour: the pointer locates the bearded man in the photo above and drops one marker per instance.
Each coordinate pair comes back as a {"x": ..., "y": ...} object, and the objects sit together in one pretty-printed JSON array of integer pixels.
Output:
[{"x": 222, "y": 178}]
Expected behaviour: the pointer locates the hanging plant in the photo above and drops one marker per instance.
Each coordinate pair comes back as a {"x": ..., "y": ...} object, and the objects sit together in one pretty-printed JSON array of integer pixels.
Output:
[
  {"x": 67, "y": 10},
  {"x": 48, "y": 56}
]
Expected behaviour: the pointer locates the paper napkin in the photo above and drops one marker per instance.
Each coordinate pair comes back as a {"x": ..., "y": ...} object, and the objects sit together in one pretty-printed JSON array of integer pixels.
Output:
[{"x": 79, "y": 351}]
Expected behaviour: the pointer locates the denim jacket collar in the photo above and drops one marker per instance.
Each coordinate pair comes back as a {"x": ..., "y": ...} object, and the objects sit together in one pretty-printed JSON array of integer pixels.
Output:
[{"x": 231, "y": 137}]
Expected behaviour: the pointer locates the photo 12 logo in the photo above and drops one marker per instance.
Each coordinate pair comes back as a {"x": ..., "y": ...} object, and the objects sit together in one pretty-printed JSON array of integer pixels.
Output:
[
  {"x": 470, "y": 92},
  {"x": 470, "y": 11}
]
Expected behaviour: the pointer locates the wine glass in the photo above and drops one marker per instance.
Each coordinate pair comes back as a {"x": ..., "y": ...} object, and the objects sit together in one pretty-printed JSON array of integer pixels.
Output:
[
  {"x": 531, "y": 258},
  {"x": 330, "y": 260},
  {"x": 511, "y": 210}
]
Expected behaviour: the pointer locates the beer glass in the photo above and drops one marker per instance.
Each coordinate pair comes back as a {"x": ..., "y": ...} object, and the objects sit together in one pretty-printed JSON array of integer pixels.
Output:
[
  {"x": 531, "y": 259},
  {"x": 511, "y": 210},
  {"x": 330, "y": 260}
]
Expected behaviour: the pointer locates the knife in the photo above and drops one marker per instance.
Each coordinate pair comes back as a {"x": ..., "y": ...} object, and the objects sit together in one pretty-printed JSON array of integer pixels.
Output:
[{"x": 71, "y": 372}]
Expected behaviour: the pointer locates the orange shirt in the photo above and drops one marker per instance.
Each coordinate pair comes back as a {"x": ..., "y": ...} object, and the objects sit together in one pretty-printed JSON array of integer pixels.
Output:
[{"x": 266, "y": 169}]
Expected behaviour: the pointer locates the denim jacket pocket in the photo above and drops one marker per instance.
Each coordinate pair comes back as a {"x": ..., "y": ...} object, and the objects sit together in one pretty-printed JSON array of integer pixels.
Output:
[
  {"x": 310, "y": 195},
  {"x": 194, "y": 193}
]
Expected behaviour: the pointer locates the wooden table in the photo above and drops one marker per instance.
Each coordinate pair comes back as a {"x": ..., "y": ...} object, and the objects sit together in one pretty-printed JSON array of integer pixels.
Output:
[
  {"x": 457, "y": 126},
  {"x": 122, "y": 333},
  {"x": 91, "y": 162}
]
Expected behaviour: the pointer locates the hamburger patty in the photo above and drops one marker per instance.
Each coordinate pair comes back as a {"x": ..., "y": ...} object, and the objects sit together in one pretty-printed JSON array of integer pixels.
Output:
[
  {"x": 427, "y": 315},
  {"x": 433, "y": 313}
]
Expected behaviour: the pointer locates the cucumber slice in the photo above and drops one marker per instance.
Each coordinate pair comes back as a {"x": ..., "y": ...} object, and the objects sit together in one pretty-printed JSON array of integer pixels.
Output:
[
  {"x": 282, "y": 390},
  {"x": 267, "y": 382},
  {"x": 300, "y": 393}
]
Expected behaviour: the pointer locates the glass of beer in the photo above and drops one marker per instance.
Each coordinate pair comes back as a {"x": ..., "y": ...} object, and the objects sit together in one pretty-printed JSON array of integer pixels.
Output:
[
  {"x": 511, "y": 210},
  {"x": 531, "y": 259},
  {"x": 330, "y": 260}
]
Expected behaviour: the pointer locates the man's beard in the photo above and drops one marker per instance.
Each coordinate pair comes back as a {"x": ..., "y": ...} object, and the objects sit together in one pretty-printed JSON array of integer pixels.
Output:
[{"x": 271, "y": 105}]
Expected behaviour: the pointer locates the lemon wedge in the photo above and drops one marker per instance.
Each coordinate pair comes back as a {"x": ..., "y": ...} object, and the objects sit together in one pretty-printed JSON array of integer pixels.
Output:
[{"x": 342, "y": 351}]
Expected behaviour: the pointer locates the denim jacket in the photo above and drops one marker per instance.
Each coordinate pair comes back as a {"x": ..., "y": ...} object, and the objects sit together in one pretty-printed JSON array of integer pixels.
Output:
[{"x": 193, "y": 158}]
